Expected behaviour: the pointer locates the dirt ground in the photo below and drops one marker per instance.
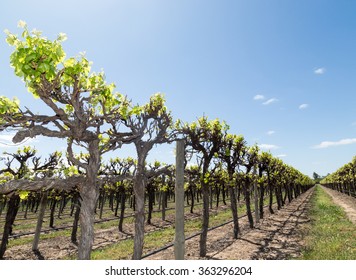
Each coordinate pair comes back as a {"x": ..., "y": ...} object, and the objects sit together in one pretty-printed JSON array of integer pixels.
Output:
[{"x": 277, "y": 236}]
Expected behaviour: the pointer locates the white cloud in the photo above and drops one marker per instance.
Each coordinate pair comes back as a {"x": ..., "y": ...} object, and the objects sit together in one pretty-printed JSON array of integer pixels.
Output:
[
  {"x": 319, "y": 71},
  {"x": 268, "y": 147},
  {"x": 327, "y": 144},
  {"x": 270, "y": 132},
  {"x": 281, "y": 155},
  {"x": 303, "y": 106},
  {"x": 270, "y": 101},
  {"x": 258, "y": 97}
]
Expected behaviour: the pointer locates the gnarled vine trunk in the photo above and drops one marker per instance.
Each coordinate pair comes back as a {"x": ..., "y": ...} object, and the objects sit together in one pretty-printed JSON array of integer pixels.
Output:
[{"x": 89, "y": 193}]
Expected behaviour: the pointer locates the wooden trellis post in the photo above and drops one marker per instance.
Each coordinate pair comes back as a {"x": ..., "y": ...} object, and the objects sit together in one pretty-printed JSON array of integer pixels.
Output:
[
  {"x": 255, "y": 192},
  {"x": 179, "y": 241}
]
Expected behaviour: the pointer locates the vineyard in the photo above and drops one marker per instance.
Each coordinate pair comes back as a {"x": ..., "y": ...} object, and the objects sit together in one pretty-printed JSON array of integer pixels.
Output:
[{"x": 83, "y": 202}]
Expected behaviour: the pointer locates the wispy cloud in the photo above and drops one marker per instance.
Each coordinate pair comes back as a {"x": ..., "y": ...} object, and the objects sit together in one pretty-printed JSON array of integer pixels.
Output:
[
  {"x": 353, "y": 124},
  {"x": 6, "y": 141},
  {"x": 258, "y": 97},
  {"x": 270, "y": 101},
  {"x": 281, "y": 155},
  {"x": 270, "y": 132},
  {"x": 327, "y": 144},
  {"x": 319, "y": 71},
  {"x": 303, "y": 106},
  {"x": 268, "y": 147}
]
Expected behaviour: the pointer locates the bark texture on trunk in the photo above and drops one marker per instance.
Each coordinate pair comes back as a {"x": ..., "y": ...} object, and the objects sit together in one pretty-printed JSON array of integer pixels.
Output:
[
  {"x": 139, "y": 188},
  {"x": 140, "y": 183},
  {"x": 86, "y": 218},
  {"x": 89, "y": 193}
]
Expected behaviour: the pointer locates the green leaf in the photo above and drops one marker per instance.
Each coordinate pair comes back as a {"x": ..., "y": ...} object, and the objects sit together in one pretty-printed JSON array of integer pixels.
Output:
[{"x": 30, "y": 57}]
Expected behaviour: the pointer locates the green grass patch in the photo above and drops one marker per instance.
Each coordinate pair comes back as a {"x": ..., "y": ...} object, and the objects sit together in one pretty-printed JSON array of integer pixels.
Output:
[{"x": 331, "y": 235}]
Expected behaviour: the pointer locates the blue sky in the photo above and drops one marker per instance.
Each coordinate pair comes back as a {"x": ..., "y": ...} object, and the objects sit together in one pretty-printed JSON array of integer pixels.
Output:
[{"x": 282, "y": 73}]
